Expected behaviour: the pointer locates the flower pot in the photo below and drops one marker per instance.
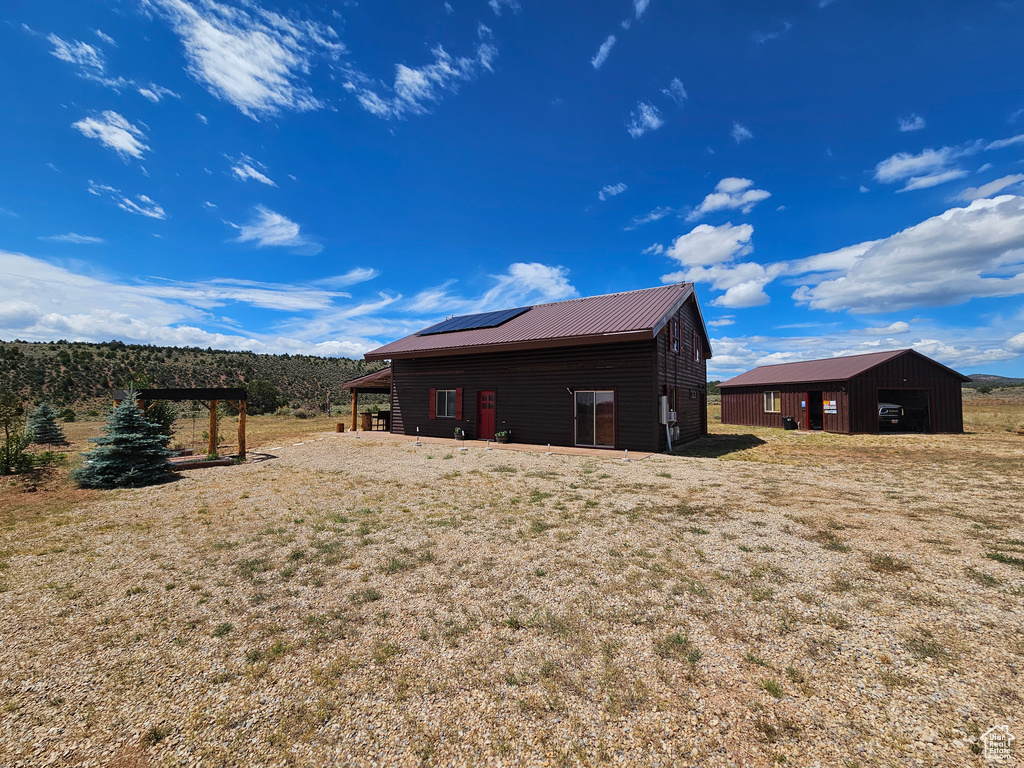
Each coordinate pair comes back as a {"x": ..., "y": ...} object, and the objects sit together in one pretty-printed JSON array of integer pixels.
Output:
[{"x": 501, "y": 439}]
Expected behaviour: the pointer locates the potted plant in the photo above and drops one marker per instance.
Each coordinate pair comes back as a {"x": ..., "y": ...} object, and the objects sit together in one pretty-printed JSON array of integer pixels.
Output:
[
  {"x": 460, "y": 433},
  {"x": 503, "y": 436}
]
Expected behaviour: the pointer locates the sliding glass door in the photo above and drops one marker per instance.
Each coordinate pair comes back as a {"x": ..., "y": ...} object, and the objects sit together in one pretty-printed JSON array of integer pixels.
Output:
[{"x": 595, "y": 418}]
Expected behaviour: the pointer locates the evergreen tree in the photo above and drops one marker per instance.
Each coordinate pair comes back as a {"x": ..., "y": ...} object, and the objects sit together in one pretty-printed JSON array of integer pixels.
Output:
[
  {"x": 130, "y": 454},
  {"x": 12, "y": 423},
  {"x": 43, "y": 428}
]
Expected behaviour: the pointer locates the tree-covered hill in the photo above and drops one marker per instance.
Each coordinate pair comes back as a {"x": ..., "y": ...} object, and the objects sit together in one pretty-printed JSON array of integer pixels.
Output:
[{"x": 81, "y": 376}]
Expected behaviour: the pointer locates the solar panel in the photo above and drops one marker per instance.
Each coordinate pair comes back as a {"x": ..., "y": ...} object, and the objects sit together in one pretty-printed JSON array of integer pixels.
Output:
[{"x": 471, "y": 322}]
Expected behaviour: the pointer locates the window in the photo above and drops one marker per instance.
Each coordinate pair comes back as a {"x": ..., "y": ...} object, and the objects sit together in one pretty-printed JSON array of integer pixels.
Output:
[
  {"x": 673, "y": 335},
  {"x": 673, "y": 398},
  {"x": 445, "y": 404},
  {"x": 696, "y": 348},
  {"x": 772, "y": 402}
]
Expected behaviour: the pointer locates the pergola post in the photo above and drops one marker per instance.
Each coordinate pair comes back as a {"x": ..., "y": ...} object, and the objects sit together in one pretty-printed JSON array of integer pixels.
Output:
[
  {"x": 241, "y": 430},
  {"x": 213, "y": 427},
  {"x": 355, "y": 407}
]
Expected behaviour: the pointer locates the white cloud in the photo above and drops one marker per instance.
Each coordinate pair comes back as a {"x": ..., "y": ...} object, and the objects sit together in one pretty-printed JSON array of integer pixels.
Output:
[
  {"x": 140, "y": 205},
  {"x": 705, "y": 245},
  {"x": 722, "y": 321},
  {"x": 416, "y": 88},
  {"x": 73, "y": 237},
  {"x": 961, "y": 254},
  {"x": 913, "y": 123},
  {"x": 602, "y": 52},
  {"x": 741, "y": 133},
  {"x": 707, "y": 254},
  {"x": 87, "y": 60},
  {"x": 646, "y": 117},
  {"x": 611, "y": 190},
  {"x": 1010, "y": 142},
  {"x": 651, "y": 216},
  {"x": 675, "y": 91},
  {"x": 1016, "y": 343},
  {"x": 273, "y": 229},
  {"x": 863, "y": 189},
  {"x": 78, "y": 53},
  {"x": 655, "y": 249},
  {"x": 888, "y": 330},
  {"x": 252, "y": 58},
  {"x": 497, "y": 5},
  {"x": 730, "y": 194},
  {"x": 992, "y": 188},
  {"x": 208, "y": 204},
  {"x": 926, "y": 169},
  {"x": 202, "y": 119},
  {"x": 763, "y": 37},
  {"x": 521, "y": 285},
  {"x": 104, "y": 37},
  {"x": 245, "y": 168},
  {"x": 115, "y": 133},
  {"x": 156, "y": 92},
  {"x": 964, "y": 349},
  {"x": 48, "y": 302},
  {"x": 640, "y": 7}
]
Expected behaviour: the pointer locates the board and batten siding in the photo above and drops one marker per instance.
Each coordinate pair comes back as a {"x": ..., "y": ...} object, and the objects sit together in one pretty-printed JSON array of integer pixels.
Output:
[
  {"x": 909, "y": 372},
  {"x": 680, "y": 370},
  {"x": 534, "y": 392},
  {"x": 745, "y": 405}
]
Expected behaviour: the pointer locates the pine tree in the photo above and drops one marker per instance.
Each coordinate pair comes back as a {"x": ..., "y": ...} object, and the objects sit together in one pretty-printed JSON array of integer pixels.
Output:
[
  {"x": 130, "y": 454},
  {"x": 43, "y": 428}
]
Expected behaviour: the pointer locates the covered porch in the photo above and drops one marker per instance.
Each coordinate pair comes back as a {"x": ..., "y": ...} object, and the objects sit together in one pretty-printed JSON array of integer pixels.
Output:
[{"x": 377, "y": 383}]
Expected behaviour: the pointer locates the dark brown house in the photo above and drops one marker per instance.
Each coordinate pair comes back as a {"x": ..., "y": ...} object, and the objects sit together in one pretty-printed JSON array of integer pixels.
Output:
[
  {"x": 843, "y": 394},
  {"x": 625, "y": 370}
]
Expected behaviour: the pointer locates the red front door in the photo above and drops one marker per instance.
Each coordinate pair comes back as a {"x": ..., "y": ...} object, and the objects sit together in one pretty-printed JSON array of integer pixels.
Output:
[{"x": 485, "y": 415}]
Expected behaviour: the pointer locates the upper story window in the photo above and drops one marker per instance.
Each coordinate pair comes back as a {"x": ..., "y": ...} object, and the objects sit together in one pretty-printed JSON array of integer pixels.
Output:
[
  {"x": 696, "y": 348},
  {"x": 673, "y": 335}
]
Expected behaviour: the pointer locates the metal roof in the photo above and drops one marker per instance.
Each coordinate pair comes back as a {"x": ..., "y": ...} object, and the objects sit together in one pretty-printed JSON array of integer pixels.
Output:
[
  {"x": 628, "y": 316},
  {"x": 829, "y": 369},
  {"x": 380, "y": 379}
]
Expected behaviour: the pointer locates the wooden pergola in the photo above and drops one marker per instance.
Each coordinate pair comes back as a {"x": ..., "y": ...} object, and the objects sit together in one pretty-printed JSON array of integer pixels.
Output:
[
  {"x": 209, "y": 397},
  {"x": 378, "y": 383}
]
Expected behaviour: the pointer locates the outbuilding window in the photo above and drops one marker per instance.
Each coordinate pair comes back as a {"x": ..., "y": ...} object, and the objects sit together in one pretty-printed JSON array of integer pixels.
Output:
[
  {"x": 696, "y": 348},
  {"x": 772, "y": 402}
]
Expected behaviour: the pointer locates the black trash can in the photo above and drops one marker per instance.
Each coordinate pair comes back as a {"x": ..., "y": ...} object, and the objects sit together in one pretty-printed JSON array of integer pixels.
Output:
[{"x": 788, "y": 422}]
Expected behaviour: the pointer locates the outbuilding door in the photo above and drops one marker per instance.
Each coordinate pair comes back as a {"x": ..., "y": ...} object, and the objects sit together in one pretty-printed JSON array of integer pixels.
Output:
[
  {"x": 595, "y": 418},
  {"x": 485, "y": 415},
  {"x": 814, "y": 410}
]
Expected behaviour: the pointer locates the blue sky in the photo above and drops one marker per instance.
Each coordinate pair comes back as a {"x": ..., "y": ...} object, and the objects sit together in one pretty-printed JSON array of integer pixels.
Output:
[{"x": 837, "y": 176}]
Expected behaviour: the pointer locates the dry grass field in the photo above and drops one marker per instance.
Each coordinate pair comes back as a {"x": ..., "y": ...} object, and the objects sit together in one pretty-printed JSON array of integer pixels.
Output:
[{"x": 764, "y": 598}]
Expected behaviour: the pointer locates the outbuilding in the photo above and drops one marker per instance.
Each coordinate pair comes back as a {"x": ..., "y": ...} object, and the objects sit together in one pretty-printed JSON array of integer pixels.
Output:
[
  {"x": 624, "y": 370},
  {"x": 847, "y": 394}
]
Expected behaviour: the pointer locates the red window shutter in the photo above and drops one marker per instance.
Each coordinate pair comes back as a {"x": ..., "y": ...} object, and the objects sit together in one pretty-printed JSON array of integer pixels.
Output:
[
  {"x": 458, "y": 403},
  {"x": 433, "y": 403}
]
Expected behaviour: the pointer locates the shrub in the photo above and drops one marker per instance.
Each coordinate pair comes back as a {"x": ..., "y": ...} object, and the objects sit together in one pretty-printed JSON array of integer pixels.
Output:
[
  {"x": 68, "y": 414},
  {"x": 132, "y": 452},
  {"x": 43, "y": 428}
]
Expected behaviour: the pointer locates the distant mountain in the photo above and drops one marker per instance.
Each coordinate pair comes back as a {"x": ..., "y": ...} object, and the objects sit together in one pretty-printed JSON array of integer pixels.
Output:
[
  {"x": 82, "y": 376},
  {"x": 991, "y": 380}
]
